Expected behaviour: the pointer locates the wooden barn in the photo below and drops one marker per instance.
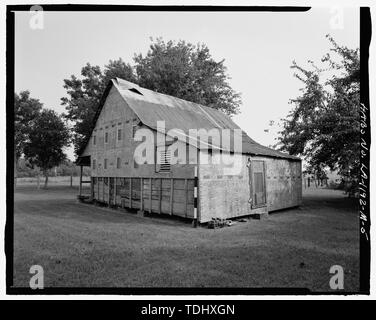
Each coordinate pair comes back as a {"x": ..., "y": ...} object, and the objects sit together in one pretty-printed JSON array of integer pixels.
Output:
[{"x": 263, "y": 180}]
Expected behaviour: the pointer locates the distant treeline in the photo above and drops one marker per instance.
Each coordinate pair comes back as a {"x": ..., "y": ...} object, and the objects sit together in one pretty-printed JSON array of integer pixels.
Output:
[{"x": 67, "y": 168}]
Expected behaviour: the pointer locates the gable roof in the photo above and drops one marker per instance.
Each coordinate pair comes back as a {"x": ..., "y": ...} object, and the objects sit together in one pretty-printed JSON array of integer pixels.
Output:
[{"x": 151, "y": 106}]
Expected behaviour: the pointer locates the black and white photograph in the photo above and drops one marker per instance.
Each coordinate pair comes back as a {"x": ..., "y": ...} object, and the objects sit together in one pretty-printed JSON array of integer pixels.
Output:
[{"x": 187, "y": 150}]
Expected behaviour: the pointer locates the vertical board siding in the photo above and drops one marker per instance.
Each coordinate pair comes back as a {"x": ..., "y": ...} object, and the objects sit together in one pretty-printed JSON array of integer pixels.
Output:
[
  {"x": 283, "y": 184},
  {"x": 117, "y": 115},
  {"x": 227, "y": 196},
  {"x": 157, "y": 195},
  {"x": 222, "y": 195}
]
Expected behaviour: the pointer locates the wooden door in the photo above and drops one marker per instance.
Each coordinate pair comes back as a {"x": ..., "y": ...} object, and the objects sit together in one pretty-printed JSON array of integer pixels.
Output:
[{"x": 258, "y": 185}]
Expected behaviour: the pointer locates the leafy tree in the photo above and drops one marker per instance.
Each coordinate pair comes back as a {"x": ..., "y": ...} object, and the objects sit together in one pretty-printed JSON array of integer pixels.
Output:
[
  {"x": 324, "y": 125},
  {"x": 47, "y": 137},
  {"x": 26, "y": 109},
  {"x": 176, "y": 68},
  {"x": 189, "y": 72},
  {"x": 84, "y": 96}
]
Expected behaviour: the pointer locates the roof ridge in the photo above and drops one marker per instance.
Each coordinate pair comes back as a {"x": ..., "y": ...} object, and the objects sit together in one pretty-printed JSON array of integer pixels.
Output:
[{"x": 173, "y": 97}]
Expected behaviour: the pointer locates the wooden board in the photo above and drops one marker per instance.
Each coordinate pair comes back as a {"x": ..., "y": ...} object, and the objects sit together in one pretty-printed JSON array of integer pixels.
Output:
[{"x": 168, "y": 195}]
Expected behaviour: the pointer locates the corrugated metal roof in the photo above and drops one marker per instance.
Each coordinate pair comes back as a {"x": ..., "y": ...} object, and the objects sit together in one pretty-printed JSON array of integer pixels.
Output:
[{"x": 177, "y": 113}]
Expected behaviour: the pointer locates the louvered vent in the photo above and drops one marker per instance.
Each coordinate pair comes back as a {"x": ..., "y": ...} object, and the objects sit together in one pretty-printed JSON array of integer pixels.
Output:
[{"x": 165, "y": 160}]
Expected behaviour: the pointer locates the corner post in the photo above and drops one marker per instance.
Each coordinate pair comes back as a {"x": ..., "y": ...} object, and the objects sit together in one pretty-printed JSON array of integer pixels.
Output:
[
  {"x": 80, "y": 187},
  {"x": 194, "y": 222},
  {"x": 91, "y": 188}
]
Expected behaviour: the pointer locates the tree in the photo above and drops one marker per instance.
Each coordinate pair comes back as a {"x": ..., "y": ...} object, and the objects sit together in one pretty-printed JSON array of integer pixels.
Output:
[
  {"x": 26, "y": 109},
  {"x": 84, "y": 96},
  {"x": 47, "y": 137},
  {"x": 324, "y": 125},
  {"x": 176, "y": 68},
  {"x": 188, "y": 72}
]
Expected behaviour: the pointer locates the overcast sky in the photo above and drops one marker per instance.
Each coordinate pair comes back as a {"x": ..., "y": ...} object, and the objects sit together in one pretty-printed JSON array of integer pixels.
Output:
[{"x": 258, "y": 49}]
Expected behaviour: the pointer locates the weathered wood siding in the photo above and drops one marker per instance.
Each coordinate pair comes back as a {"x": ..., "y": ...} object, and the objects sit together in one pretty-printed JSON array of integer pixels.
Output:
[
  {"x": 222, "y": 195},
  {"x": 227, "y": 195},
  {"x": 168, "y": 196},
  {"x": 283, "y": 183},
  {"x": 117, "y": 115},
  {"x": 136, "y": 186}
]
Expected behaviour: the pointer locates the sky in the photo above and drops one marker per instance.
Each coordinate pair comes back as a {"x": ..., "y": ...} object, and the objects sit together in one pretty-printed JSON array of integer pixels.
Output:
[{"x": 258, "y": 49}]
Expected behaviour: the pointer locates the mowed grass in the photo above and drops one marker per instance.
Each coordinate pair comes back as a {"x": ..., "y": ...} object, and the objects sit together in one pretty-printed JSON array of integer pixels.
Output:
[{"x": 81, "y": 245}]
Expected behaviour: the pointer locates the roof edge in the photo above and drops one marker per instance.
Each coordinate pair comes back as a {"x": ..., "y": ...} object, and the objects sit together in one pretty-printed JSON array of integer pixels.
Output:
[{"x": 97, "y": 113}]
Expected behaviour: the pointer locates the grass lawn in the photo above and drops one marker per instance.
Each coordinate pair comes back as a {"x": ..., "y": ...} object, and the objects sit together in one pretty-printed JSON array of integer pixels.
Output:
[{"x": 81, "y": 245}]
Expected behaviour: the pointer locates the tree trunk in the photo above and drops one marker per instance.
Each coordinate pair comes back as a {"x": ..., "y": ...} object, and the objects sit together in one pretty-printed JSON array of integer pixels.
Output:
[
  {"x": 38, "y": 181},
  {"x": 46, "y": 180}
]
